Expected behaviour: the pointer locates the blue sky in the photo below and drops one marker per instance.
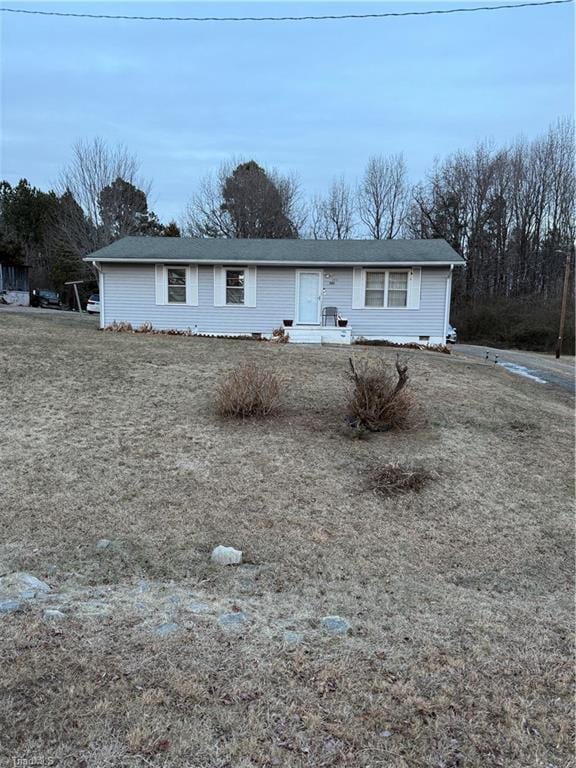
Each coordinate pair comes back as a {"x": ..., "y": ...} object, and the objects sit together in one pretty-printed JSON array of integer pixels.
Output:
[{"x": 316, "y": 98}]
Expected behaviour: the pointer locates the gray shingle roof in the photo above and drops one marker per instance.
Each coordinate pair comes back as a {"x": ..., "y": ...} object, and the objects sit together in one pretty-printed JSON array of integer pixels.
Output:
[{"x": 321, "y": 252}]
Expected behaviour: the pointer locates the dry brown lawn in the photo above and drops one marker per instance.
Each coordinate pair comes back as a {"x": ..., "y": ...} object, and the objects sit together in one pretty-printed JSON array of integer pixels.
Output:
[{"x": 459, "y": 596}]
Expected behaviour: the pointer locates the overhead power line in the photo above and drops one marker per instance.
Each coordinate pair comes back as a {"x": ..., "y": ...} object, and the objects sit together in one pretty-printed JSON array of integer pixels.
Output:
[{"x": 343, "y": 17}]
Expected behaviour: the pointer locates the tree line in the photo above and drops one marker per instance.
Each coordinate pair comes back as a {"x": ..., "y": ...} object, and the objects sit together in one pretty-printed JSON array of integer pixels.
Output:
[
  {"x": 98, "y": 200},
  {"x": 509, "y": 211}
]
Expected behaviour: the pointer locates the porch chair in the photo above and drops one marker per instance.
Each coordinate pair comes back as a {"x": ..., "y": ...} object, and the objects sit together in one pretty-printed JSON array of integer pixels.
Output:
[{"x": 329, "y": 312}]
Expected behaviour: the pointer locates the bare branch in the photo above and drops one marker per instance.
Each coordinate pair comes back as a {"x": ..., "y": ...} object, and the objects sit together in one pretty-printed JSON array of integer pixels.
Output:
[{"x": 383, "y": 197}]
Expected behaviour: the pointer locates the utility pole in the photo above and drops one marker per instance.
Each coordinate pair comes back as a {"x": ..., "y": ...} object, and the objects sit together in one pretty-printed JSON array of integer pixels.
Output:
[
  {"x": 564, "y": 302},
  {"x": 76, "y": 283}
]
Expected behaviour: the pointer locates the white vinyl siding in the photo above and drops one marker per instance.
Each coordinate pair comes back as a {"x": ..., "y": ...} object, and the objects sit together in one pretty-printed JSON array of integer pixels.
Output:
[{"x": 129, "y": 293}]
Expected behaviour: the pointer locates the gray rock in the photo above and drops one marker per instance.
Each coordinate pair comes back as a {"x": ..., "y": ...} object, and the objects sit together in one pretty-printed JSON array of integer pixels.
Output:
[
  {"x": 54, "y": 614},
  {"x": 103, "y": 544},
  {"x": 10, "y": 606},
  {"x": 293, "y": 638},
  {"x": 23, "y": 584},
  {"x": 199, "y": 607},
  {"x": 385, "y": 734},
  {"x": 232, "y": 620},
  {"x": 166, "y": 629},
  {"x": 175, "y": 599},
  {"x": 226, "y": 555},
  {"x": 335, "y": 625}
]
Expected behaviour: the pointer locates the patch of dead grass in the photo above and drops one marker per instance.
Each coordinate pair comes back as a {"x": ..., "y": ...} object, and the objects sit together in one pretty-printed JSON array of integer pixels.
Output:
[{"x": 394, "y": 478}]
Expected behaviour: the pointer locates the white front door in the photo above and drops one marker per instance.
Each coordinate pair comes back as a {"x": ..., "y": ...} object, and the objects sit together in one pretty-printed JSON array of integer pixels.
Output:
[{"x": 308, "y": 297}]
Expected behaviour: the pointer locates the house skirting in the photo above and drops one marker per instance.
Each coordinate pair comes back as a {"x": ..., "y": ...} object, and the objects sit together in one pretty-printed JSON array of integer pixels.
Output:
[{"x": 434, "y": 340}]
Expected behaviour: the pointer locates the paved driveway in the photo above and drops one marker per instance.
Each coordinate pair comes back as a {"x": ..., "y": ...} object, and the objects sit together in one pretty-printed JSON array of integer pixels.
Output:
[{"x": 540, "y": 368}]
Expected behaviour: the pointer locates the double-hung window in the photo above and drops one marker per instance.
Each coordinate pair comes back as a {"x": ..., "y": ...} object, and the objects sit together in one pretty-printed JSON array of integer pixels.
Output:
[
  {"x": 386, "y": 289},
  {"x": 176, "y": 285},
  {"x": 397, "y": 289},
  {"x": 375, "y": 289},
  {"x": 235, "y": 286}
]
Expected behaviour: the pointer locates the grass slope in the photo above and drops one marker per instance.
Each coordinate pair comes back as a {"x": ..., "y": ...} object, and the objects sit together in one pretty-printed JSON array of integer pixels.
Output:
[{"x": 460, "y": 596}]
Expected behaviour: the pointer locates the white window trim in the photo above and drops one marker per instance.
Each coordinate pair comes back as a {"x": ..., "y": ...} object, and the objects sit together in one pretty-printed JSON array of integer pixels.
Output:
[
  {"x": 387, "y": 272},
  {"x": 191, "y": 283},
  {"x": 250, "y": 285},
  {"x": 320, "y": 273}
]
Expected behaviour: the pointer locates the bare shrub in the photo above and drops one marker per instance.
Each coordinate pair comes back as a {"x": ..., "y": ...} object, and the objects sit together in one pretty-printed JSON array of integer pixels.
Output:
[
  {"x": 376, "y": 400},
  {"x": 119, "y": 327},
  {"x": 280, "y": 336},
  {"x": 248, "y": 390},
  {"x": 391, "y": 479}
]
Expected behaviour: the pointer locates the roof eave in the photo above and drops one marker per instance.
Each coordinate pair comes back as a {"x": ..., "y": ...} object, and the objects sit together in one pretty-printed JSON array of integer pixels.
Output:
[{"x": 269, "y": 262}]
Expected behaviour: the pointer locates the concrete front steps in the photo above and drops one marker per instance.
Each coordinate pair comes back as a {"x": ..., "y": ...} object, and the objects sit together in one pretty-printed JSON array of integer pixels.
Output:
[{"x": 313, "y": 334}]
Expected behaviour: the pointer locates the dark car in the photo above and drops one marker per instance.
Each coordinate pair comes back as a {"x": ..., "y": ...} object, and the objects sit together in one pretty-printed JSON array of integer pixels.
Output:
[{"x": 42, "y": 297}]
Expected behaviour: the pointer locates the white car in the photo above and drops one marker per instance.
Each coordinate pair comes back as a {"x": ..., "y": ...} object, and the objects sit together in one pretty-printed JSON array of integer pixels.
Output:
[
  {"x": 93, "y": 303},
  {"x": 452, "y": 335}
]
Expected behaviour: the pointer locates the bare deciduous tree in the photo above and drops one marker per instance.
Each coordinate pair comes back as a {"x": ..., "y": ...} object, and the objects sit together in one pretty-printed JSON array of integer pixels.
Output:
[
  {"x": 94, "y": 167},
  {"x": 292, "y": 201},
  {"x": 204, "y": 215},
  {"x": 507, "y": 211},
  {"x": 332, "y": 217},
  {"x": 383, "y": 197}
]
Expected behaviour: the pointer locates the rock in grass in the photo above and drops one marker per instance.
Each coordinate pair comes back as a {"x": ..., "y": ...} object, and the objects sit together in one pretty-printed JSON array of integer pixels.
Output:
[
  {"x": 166, "y": 629},
  {"x": 335, "y": 625},
  {"x": 54, "y": 614},
  {"x": 226, "y": 555},
  {"x": 293, "y": 638},
  {"x": 102, "y": 544},
  {"x": 232, "y": 620},
  {"x": 23, "y": 585},
  {"x": 10, "y": 606},
  {"x": 199, "y": 607}
]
